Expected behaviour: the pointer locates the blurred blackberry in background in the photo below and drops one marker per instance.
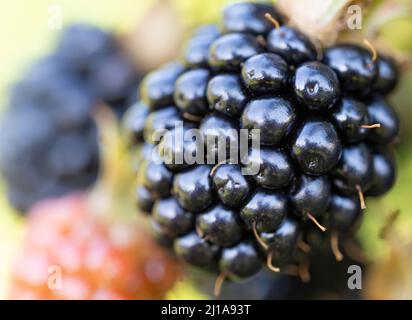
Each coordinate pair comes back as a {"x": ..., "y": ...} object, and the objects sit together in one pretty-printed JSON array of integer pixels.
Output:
[
  {"x": 48, "y": 141},
  {"x": 325, "y": 130}
]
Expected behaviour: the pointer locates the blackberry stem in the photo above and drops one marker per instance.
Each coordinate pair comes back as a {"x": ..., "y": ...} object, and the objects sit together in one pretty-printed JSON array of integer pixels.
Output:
[
  {"x": 258, "y": 238},
  {"x": 334, "y": 244},
  {"x": 361, "y": 197},
  {"x": 372, "y": 49},
  {"x": 218, "y": 284},
  {"x": 270, "y": 18},
  {"x": 216, "y": 166},
  {"x": 269, "y": 263},
  {"x": 371, "y": 126},
  {"x": 316, "y": 222}
]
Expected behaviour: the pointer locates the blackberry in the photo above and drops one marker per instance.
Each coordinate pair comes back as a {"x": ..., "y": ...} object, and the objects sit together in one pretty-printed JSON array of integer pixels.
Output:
[
  {"x": 195, "y": 250},
  {"x": 387, "y": 77},
  {"x": 135, "y": 119},
  {"x": 354, "y": 67},
  {"x": 383, "y": 173},
  {"x": 231, "y": 186},
  {"x": 310, "y": 195},
  {"x": 316, "y": 146},
  {"x": 275, "y": 117},
  {"x": 49, "y": 140},
  {"x": 275, "y": 167},
  {"x": 171, "y": 217},
  {"x": 197, "y": 49},
  {"x": 157, "y": 88},
  {"x": 354, "y": 170},
  {"x": 240, "y": 261},
  {"x": 380, "y": 112},
  {"x": 284, "y": 143},
  {"x": 226, "y": 94},
  {"x": 351, "y": 118},
  {"x": 190, "y": 92},
  {"x": 230, "y": 50},
  {"x": 159, "y": 122},
  {"x": 316, "y": 86},
  {"x": 218, "y": 130},
  {"x": 265, "y": 210},
  {"x": 156, "y": 178},
  {"x": 291, "y": 44},
  {"x": 344, "y": 212},
  {"x": 144, "y": 199},
  {"x": 282, "y": 242},
  {"x": 219, "y": 226},
  {"x": 249, "y": 18},
  {"x": 193, "y": 189},
  {"x": 265, "y": 73}
]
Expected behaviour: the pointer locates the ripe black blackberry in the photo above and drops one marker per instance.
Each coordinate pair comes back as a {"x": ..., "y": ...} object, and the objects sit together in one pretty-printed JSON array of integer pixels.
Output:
[
  {"x": 49, "y": 144},
  {"x": 320, "y": 122}
]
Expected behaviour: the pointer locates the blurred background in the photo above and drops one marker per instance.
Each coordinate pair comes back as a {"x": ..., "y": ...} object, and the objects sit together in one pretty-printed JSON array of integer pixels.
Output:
[{"x": 151, "y": 32}]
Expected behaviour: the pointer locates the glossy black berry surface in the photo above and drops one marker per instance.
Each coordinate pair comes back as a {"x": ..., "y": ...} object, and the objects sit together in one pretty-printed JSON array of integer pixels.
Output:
[
  {"x": 157, "y": 89},
  {"x": 291, "y": 44},
  {"x": 220, "y": 226},
  {"x": 351, "y": 116},
  {"x": 354, "y": 66},
  {"x": 230, "y": 50},
  {"x": 160, "y": 236},
  {"x": 380, "y": 112},
  {"x": 171, "y": 217},
  {"x": 135, "y": 120},
  {"x": 282, "y": 242},
  {"x": 310, "y": 194},
  {"x": 316, "y": 147},
  {"x": 190, "y": 92},
  {"x": 387, "y": 77},
  {"x": 274, "y": 117},
  {"x": 266, "y": 209},
  {"x": 274, "y": 169},
  {"x": 383, "y": 173},
  {"x": 354, "y": 169},
  {"x": 232, "y": 187},
  {"x": 240, "y": 261},
  {"x": 316, "y": 86},
  {"x": 158, "y": 122},
  {"x": 265, "y": 73},
  {"x": 195, "y": 250},
  {"x": 227, "y": 95},
  {"x": 193, "y": 189},
  {"x": 286, "y": 140},
  {"x": 249, "y": 17},
  {"x": 344, "y": 212},
  {"x": 197, "y": 49},
  {"x": 220, "y": 135},
  {"x": 144, "y": 199},
  {"x": 157, "y": 178}
]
